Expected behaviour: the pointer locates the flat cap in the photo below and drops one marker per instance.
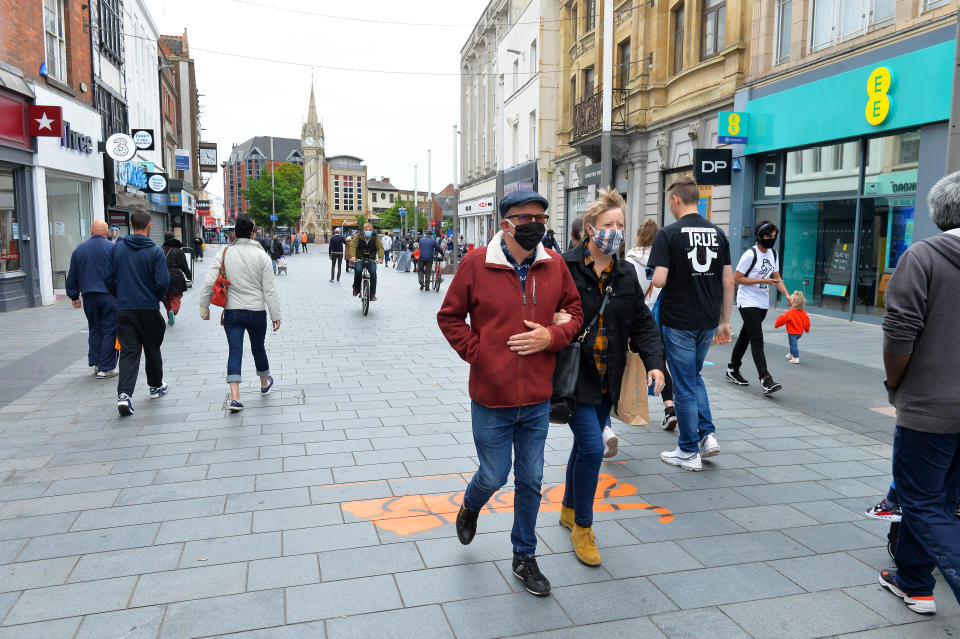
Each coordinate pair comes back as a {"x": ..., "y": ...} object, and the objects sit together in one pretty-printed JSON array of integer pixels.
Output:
[{"x": 519, "y": 198}]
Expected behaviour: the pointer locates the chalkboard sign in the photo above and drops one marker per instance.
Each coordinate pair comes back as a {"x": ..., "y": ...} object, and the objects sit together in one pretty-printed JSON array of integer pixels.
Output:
[{"x": 841, "y": 261}]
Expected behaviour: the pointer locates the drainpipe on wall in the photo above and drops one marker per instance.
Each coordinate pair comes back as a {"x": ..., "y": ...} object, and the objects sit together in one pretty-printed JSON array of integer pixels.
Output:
[{"x": 953, "y": 137}]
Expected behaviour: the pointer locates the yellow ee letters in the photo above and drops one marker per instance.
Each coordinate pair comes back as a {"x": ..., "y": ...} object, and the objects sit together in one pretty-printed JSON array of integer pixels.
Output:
[{"x": 878, "y": 87}]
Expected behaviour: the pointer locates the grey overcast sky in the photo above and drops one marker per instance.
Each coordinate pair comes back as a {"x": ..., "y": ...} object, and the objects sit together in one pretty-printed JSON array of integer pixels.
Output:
[{"x": 388, "y": 118}]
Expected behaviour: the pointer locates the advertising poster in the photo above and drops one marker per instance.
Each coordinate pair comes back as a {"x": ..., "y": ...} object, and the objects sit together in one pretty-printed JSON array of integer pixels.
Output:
[{"x": 901, "y": 233}]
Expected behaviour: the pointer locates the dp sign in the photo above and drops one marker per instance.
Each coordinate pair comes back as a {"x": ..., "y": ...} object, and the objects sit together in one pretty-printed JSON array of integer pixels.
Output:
[{"x": 712, "y": 166}]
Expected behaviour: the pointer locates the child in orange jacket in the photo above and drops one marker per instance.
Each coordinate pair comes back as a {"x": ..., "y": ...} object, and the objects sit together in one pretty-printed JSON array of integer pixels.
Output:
[{"x": 797, "y": 322}]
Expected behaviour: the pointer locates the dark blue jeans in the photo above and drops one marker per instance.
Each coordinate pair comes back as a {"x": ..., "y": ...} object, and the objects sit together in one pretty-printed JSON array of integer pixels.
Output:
[
  {"x": 101, "y": 312},
  {"x": 498, "y": 432},
  {"x": 794, "y": 341},
  {"x": 358, "y": 275},
  {"x": 235, "y": 322},
  {"x": 583, "y": 468},
  {"x": 926, "y": 469},
  {"x": 686, "y": 351}
]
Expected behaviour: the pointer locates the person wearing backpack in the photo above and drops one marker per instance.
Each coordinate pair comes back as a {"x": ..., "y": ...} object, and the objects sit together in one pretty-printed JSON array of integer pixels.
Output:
[
  {"x": 179, "y": 273},
  {"x": 757, "y": 270}
]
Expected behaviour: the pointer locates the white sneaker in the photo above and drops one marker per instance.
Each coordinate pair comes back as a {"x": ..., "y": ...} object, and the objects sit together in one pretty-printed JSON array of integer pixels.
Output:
[
  {"x": 610, "y": 442},
  {"x": 709, "y": 446},
  {"x": 113, "y": 372},
  {"x": 794, "y": 360},
  {"x": 686, "y": 461},
  {"x": 789, "y": 356}
]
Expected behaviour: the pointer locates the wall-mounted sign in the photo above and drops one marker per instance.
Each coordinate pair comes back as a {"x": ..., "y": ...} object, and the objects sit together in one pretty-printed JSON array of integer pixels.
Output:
[
  {"x": 879, "y": 83},
  {"x": 120, "y": 147},
  {"x": 591, "y": 174},
  {"x": 143, "y": 138},
  {"x": 209, "y": 220},
  {"x": 712, "y": 166},
  {"x": 732, "y": 127},
  {"x": 130, "y": 174},
  {"x": 75, "y": 140},
  {"x": 157, "y": 182},
  {"x": 45, "y": 121},
  {"x": 118, "y": 219},
  {"x": 203, "y": 205},
  {"x": 181, "y": 160},
  {"x": 481, "y": 206}
]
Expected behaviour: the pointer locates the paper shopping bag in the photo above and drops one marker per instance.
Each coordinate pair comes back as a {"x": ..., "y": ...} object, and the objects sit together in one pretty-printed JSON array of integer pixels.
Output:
[{"x": 632, "y": 409}]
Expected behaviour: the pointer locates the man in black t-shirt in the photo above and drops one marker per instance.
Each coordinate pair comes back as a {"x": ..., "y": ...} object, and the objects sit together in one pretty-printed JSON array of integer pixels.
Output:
[{"x": 691, "y": 261}]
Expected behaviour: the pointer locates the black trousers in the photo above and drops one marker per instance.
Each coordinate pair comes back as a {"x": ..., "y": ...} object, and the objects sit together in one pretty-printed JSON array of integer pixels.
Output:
[
  {"x": 425, "y": 272},
  {"x": 138, "y": 330},
  {"x": 752, "y": 333},
  {"x": 336, "y": 264}
]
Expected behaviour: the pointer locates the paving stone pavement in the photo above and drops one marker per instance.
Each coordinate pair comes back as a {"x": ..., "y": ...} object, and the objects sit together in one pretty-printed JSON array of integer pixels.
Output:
[{"x": 323, "y": 509}]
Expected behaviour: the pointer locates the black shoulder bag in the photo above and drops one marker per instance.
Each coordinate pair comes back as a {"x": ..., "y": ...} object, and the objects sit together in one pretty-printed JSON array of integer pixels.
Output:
[{"x": 563, "y": 403}]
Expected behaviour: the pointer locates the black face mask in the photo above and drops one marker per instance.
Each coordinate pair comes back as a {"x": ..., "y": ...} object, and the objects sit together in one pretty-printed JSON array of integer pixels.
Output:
[
  {"x": 528, "y": 235},
  {"x": 767, "y": 242}
]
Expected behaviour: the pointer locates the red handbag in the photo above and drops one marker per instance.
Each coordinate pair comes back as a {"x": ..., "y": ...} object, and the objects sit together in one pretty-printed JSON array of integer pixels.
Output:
[{"x": 220, "y": 287}]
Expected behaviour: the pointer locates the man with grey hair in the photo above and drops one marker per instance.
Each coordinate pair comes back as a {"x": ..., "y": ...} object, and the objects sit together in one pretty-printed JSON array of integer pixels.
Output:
[{"x": 921, "y": 355}]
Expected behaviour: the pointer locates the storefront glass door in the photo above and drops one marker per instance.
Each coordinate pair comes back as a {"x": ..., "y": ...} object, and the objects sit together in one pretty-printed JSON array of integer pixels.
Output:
[
  {"x": 70, "y": 217},
  {"x": 885, "y": 234},
  {"x": 9, "y": 226}
]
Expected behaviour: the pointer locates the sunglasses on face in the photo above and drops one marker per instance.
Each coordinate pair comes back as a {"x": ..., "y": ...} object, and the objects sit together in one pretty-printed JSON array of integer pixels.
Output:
[{"x": 526, "y": 219}]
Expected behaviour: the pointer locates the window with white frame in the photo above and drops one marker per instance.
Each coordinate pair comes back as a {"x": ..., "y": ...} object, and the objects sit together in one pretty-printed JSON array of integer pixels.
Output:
[
  {"x": 532, "y": 62},
  {"x": 532, "y": 142},
  {"x": 515, "y": 143},
  {"x": 933, "y": 4},
  {"x": 54, "y": 43},
  {"x": 838, "y": 20},
  {"x": 784, "y": 19},
  {"x": 516, "y": 75}
]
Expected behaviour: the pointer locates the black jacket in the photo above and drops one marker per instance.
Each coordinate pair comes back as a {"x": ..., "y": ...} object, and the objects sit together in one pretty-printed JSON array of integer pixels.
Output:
[
  {"x": 276, "y": 249},
  {"x": 337, "y": 243},
  {"x": 625, "y": 318},
  {"x": 177, "y": 265}
]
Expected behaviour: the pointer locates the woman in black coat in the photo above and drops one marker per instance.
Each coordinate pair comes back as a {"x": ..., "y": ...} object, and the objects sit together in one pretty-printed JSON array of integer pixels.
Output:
[
  {"x": 179, "y": 273},
  {"x": 198, "y": 248},
  {"x": 625, "y": 321},
  {"x": 276, "y": 251}
]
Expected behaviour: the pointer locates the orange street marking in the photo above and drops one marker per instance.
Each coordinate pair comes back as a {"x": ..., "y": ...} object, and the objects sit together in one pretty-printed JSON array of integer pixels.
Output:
[{"x": 410, "y": 514}]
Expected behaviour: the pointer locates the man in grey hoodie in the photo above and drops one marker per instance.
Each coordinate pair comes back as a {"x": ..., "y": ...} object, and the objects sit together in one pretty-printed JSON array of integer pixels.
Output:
[{"x": 921, "y": 354}]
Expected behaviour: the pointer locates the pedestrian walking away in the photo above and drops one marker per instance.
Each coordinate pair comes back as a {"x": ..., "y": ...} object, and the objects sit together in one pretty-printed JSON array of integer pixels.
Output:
[
  {"x": 510, "y": 342},
  {"x": 252, "y": 292},
  {"x": 757, "y": 270},
  {"x": 198, "y": 248},
  {"x": 296, "y": 244},
  {"x": 336, "y": 249},
  {"x": 138, "y": 277},
  {"x": 921, "y": 357},
  {"x": 367, "y": 248},
  {"x": 610, "y": 292},
  {"x": 387, "y": 242},
  {"x": 428, "y": 246},
  {"x": 179, "y": 274},
  {"x": 88, "y": 267},
  {"x": 639, "y": 256},
  {"x": 797, "y": 322},
  {"x": 550, "y": 241},
  {"x": 691, "y": 262},
  {"x": 276, "y": 253}
]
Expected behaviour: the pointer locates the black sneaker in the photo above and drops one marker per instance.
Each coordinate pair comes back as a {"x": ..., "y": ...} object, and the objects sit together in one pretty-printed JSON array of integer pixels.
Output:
[
  {"x": 527, "y": 571},
  {"x": 734, "y": 377},
  {"x": 920, "y": 604},
  {"x": 669, "y": 418},
  {"x": 769, "y": 386},
  {"x": 466, "y": 525}
]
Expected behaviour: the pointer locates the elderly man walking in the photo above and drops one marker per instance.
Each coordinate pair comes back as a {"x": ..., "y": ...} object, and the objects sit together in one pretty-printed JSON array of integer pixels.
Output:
[
  {"x": 88, "y": 266},
  {"x": 921, "y": 355},
  {"x": 138, "y": 277},
  {"x": 511, "y": 289}
]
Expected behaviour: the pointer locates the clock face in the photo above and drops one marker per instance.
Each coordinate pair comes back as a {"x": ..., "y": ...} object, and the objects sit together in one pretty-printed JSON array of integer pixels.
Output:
[
  {"x": 309, "y": 140},
  {"x": 208, "y": 157}
]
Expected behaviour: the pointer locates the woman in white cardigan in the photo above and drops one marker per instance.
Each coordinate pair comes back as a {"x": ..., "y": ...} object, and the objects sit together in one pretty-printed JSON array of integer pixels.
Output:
[{"x": 253, "y": 290}]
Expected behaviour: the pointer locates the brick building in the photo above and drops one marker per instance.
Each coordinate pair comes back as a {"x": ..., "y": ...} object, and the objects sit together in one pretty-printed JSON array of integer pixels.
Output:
[{"x": 247, "y": 160}]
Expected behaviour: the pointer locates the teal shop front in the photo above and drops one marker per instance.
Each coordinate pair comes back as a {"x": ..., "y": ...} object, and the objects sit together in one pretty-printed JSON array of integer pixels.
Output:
[{"x": 841, "y": 158}]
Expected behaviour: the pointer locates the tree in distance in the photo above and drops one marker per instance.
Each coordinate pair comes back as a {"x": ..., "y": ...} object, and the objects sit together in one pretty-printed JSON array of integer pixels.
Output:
[{"x": 287, "y": 189}]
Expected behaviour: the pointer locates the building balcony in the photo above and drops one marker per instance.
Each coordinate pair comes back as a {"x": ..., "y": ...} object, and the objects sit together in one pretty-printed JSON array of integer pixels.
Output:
[
  {"x": 588, "y": 121},
  {"x": 584, "y": 45}
]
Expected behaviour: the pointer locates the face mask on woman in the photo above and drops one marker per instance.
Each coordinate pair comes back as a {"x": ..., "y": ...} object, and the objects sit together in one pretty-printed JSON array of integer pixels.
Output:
[
  {"x": 767, "y": 242},
  {"x": 608, "y": 241}
]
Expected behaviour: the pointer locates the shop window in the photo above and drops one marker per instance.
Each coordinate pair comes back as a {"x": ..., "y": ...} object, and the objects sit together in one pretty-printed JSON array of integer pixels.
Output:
[
  {"x": 768, "y": 177},
  {"x": 624, "y": 51},
  {"x": 10, "y": 259},
  {"x": 784, "y": 19},
  {"x": 69, "y": 212},
  {"x": 713, "y": 25},
  {"x": 678, "y": 39},
  {"x": 886, "y": 232},
  {"x": 806, "y": 175},
  {"x": 56, "y": 51},
  {"x": 892, "y": 163}
]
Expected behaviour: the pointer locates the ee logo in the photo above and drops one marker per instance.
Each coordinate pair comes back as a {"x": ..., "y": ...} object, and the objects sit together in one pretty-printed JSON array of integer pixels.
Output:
[
  {"x": 733, "y": 124},
  {"x": 878, "y": 87}
]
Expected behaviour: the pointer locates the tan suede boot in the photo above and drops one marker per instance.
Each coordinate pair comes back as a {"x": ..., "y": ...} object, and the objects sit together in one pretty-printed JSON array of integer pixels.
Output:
[
  {"x": 566, "y": 517},
  {"x": 585, "y": 546}
]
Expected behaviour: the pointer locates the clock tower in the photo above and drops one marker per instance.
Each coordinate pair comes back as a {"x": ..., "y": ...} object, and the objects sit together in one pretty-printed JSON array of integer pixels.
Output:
[{"x": 314, "y": 218}]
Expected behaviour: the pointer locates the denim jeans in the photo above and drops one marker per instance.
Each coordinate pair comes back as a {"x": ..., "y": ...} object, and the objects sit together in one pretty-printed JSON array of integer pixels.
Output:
[
  {"x": 101, "y": 312},
  {"x": 926, "y": 469},
  {"x": 794, "y": 344},
  {"x": 583, "y": 468},
  {"x": 235, "y": 322},
  {"x": 274, "y": 266},
  {"x": 686, "y": 351},
  {"x": 497, "y": 432},
  {"x": 358, "y": 275}
]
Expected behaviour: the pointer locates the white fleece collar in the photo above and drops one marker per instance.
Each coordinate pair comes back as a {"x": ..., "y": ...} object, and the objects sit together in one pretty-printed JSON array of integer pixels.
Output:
[
  {"x": 954, "y": 232},
  {"x": 496, "y": 256}
]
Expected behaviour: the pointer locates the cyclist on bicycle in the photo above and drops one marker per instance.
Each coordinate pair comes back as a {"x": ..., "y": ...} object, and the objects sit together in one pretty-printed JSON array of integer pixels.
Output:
[{"x": 366, "y": 246}]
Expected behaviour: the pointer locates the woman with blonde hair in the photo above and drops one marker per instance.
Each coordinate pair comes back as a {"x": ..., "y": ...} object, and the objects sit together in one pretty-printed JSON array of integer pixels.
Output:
[
  {"x": 615, "y": 318},
  {"x": 638, "y": 256}
]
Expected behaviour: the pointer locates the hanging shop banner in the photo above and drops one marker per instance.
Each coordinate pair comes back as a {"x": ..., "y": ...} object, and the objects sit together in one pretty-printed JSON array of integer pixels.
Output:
[
  {"x": 712, "y": 166},
  {"x": 45, "y": 121},
  {"x": 142, "y": 138},
  {"x": 120, "y": 147},
  {"x": 157, "y": 182},
  {"x": 130, "y": 174},
  {"x": 181, "y": 160}
]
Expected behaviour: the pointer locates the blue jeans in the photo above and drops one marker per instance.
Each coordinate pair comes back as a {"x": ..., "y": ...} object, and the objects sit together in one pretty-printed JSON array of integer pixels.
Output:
[
  {"x": 686, "y": 351},
  {"x": 235, "y": 322},
  {"x": 583, "y": 468},
  {"x": 497, "y": 432},
  {"x": 358, "y": 275},
  {"x": 926, "y": 469},
  {"x": 101, "y": 312},
  {"x": 794, "y": 344},
  {"x": 274, "y": 266}
]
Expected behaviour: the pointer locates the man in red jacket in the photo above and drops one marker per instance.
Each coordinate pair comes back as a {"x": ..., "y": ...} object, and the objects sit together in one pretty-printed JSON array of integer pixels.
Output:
[{"x": 511, "y": 290}]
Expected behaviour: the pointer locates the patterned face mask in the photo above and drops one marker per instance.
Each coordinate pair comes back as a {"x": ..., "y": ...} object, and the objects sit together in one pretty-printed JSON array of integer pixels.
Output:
[{"x": 608, "y": 241}]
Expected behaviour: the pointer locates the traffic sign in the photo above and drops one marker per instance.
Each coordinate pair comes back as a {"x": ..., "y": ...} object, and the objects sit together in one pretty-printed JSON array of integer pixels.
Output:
[
  {"x": 273, "y": 217},
  {"x": 402, "y": 211}
]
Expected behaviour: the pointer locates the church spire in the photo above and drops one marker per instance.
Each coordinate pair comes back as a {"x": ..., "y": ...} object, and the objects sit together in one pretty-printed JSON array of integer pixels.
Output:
[{"x": 312, "y": 113}]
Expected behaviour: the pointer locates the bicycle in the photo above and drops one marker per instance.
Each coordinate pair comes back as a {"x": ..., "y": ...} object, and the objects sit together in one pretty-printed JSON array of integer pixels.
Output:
[
  {"x": 437, "y": 271},
  {"x": 364, "y": 286}
]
